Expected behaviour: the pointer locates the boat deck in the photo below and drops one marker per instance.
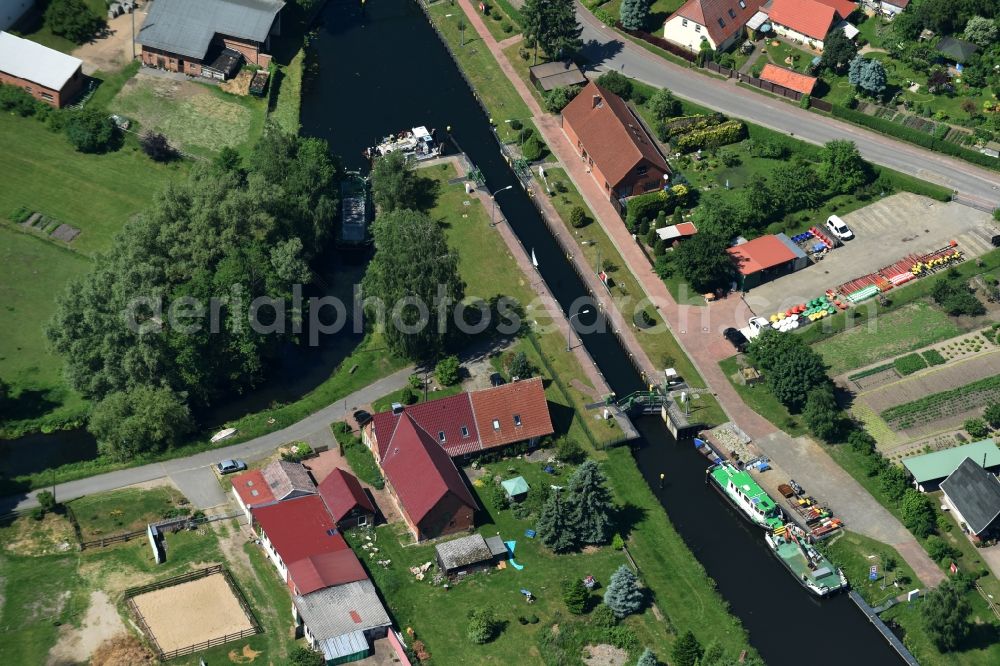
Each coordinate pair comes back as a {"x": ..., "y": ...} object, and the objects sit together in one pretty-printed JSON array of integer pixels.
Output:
[{"x": 796, "y": 560}]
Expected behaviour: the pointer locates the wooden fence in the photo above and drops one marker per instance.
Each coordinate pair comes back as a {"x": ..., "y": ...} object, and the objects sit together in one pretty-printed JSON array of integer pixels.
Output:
[{"x": 170, "y": 524}]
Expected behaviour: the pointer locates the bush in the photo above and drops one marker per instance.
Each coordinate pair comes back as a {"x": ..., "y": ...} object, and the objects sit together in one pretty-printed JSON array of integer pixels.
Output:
[
  {"x": 483, "y": 626},
  {"x": 533, "y": 149},
  {"x": 16, "y": 100},
  {"x": 519, "y": 366},
  {"x": 46, "y": 500},
  {"x": 731, "y": 131},
  {"x": 956, "y": 298},
  {"x": 933, "y": 357},
  {"x": 447, "y": 371},
  {"x": 569, "y": 451},
  {"x": 907, "y": 365},
  {"x": 578, "y": 217},
  {"x": 617, "y": 542},
  {"x": 73, "y": 20},
  {"x": 992, "y": 415},
  {"x": 575, "y": 596},
  {"x": 303, "y": 656},
  {"x": 556, "y": 99},
  {"x": 408, "y": 396},
  {"x": 616, "y": 83},
  {"x": 90, "y": 130},
  {"x": 977, "y": 428},
  {"x": 918, "y": 513},
  {"x": 157, "y": 147},
  {"x": 603, "y": 617},
  {"x": 940, "y": 550}
]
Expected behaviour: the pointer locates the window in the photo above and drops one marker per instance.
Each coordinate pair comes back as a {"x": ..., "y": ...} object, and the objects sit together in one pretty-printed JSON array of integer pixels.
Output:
[
  {"x": 331, "y": 532},
  {"x": 496, "y": 424},
  {"x": 732, "y": 14},
  {"x": 47, "y": 96},
  {"x": 254, "y": 492},
  {"x": 743, "y": 5},
  {"x": 697, "y": 28},
  {"x": 517, "y": 420},
  {"x": 441, "y": 435},
  {"x": 642, "y": 170},
  {"x": 684, "y": 22},
  {"x": 465, "y": 431},
  {"x": 722, "y": 24}
]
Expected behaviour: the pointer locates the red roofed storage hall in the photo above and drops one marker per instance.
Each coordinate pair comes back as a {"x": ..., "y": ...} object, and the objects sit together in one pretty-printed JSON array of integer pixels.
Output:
[
  {"x": 346, "y": 499},
  {"x": 766, "y": 258}
]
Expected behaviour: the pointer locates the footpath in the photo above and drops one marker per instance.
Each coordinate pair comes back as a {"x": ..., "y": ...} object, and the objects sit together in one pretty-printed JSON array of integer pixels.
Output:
[{"x": 698, "y": 331}]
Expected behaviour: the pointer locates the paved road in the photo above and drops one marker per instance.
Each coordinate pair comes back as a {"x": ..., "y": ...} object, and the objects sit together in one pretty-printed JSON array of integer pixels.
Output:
[
  {"x": 254, "y": 448},
  {"x": 608, "y": 49}
]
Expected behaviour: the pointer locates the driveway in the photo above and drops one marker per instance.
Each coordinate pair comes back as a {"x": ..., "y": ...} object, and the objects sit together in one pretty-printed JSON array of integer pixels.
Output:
[
  {"x": 111, "y": 53},
  {"x": 885, "y": 232},
  {"x": 200, "y": 486}
]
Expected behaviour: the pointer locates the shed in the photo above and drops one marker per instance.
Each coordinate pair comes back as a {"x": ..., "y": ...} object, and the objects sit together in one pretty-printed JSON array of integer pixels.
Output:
[
  {"x": 958, "y": 50},
  {"x": 766, "y": 258},
  {"x": 930, "y": 469},
  {"x": 788, "y": 78},
  {"x": 459, "y": 557},
  {"x": 973, "y": 493},
  {"x": 551, "y": 75},
  {"x": 517, "y": 488},
  {"x": 677, "y": 231}
]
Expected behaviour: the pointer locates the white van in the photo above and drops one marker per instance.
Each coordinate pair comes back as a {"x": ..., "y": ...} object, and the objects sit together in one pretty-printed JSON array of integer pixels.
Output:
[{"x": 839, "y": 228}]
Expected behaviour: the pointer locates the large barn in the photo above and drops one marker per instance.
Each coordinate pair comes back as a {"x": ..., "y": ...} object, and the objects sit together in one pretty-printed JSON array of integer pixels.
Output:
[{"x": 46, "y": 74}]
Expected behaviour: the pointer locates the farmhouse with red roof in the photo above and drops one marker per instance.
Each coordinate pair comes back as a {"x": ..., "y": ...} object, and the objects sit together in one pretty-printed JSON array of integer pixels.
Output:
[
  {"x": 718, "y": 22},
  {"x": 808, "y": 21}
]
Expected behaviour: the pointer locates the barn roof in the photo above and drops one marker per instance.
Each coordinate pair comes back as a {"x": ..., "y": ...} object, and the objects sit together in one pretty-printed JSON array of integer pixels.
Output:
[
  {"x": 342, "y": 493},
  {"x": 975, "y": 492},
  {"x": 802, "y": 83},
  {"x": 252, "y": 488},
  {"x": 762, "y": 253},
  {"x": 187, "y": 27},
  {"x": 459, "y": 553},
  {"x": 33, "y": 62},
  {"x": 939, "y": 464},
  {"x": 341, "y": 610},
  {"x": 288, "y": 479}
]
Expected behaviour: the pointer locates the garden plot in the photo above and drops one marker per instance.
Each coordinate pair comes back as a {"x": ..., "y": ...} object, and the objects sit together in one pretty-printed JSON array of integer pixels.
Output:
[{"x": 967, "y": 346}]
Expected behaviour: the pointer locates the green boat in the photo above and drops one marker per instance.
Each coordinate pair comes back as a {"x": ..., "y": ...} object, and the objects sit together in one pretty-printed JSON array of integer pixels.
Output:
[
  {"x": 813, "y": 571},
  {"x": 742, "y": 491}
]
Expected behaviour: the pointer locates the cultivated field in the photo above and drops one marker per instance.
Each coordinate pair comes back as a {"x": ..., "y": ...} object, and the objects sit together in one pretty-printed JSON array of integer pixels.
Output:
[{"x": 193, "y": 612}]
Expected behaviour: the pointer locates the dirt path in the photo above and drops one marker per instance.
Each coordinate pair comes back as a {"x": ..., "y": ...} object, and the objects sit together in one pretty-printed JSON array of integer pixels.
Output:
[
  {"x": 100, "y": 623},
  {"x": 111, "y": 53}
]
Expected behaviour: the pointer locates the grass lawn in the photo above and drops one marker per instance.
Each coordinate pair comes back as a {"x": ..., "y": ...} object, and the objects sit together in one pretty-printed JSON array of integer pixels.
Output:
[
  {"x": 495, "y": 22},
  {"x": 95, "y": 193},
  {"x": 32, "y": 272},
  {"x": 358, "y": 456},
  {"x": 659, "y": 10},
  {"x": 762, "y": 401},
  {"x": 124, "y": 510},
  {"x": 780, "y": 53},
  {"x": 855, "y": 554},
  {"x": 111, "y": 84},
  {"x": 910, "y": 327},
  {"x": 32, "y": 26},
  {"x": 199, "y": 118},
  {"x": 288, "y": 100}
]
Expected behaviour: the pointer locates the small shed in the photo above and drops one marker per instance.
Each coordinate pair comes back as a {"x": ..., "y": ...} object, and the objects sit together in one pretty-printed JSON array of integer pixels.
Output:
[
  {"x": 957, "y": 50},
  {"x": 459, "y": 557},
  {"x": 766, "y": 258},
  {"x": 551, "y": 75},
  {"x": 516, "y": 488}
]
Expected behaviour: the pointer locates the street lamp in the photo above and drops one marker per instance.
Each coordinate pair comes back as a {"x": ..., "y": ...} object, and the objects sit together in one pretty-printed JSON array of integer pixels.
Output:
[
  {"x": 493, "y": 210},
  {"x": 569, "y": 329}
]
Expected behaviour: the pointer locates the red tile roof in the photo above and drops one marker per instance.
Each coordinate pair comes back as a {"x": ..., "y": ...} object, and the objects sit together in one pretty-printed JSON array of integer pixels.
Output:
[
  {"x": 786, "y": 77},
  {"x": 420, "y": 471},
  {"x": 760, "y": 254},
  {"x": 611, "y": 135},
  {"x": 808, "y": 17},
  {"x": 326, "y": 570},
  {"x": 447, "y": 415},
  {"x": 342, "y": 493},
  {"x": 843, "y": 7},
  {"x": 512, "y": 413},
  {"x": 897, "y": 3},
  {"x": 252, "y": 488},
  {"x": 687, "y": 229},
  {"x": 708, "y": 13}
]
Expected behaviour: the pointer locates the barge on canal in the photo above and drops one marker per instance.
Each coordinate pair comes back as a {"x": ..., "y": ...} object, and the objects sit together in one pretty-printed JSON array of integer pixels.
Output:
[
  {"x": 790, "y": 544},
  {"x": 417, "y": 144},
  {"x": 743, "y": 492},
  {"x": 353, "y": 210}
]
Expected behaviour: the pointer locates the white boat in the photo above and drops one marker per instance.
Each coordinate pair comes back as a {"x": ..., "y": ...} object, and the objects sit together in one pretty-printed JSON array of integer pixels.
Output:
[
  {"x": 223, "y": 434},
  {"x": 417, "y": 144}
]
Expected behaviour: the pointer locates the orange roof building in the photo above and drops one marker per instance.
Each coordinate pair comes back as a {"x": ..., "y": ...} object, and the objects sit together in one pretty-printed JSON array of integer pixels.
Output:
[
  {"x": 802, "y": 83},
  {"x": 766, "y": 258},
  {"x": 804, "y": 20},
  {"x": 620, "y": 153}
]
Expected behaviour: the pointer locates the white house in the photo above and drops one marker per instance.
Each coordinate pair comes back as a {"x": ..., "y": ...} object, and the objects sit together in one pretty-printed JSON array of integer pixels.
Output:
[
  {"x": 808, "y": 21},
  {"x": 718, "y": 22}
]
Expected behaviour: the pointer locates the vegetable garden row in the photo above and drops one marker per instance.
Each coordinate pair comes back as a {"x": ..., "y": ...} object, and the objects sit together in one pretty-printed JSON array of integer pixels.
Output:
[{"x": 941, "y": 405}]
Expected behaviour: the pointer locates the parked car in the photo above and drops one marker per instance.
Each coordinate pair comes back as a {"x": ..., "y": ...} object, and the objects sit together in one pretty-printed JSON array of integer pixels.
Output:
[
  {"x": 496, "y": 379},
  {"x": 839, "y": 228},
  {"x": 230, "y": 466},
  {"x": 737, "y": 339},
  {"x": 362, "y": 417}
]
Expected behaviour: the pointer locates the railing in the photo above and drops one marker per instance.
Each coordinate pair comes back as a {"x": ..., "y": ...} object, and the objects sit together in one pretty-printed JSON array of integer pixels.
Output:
[
  {"x": 893, "y": 640},
  {"x": 204, "y": 645},
  {"x": 173, "y": 524}
]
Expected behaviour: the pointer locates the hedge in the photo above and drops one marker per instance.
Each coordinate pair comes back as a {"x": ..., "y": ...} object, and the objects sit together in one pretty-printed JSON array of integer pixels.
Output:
[
  {"x": 907, "y": 365},
  {"x": 728, "y": 132},
  {"x": 683, "y": 124},
  {"x": 914, "y": 136},
  {"x": 904, "y": 183},
  {"x": 512, "y": 12}
]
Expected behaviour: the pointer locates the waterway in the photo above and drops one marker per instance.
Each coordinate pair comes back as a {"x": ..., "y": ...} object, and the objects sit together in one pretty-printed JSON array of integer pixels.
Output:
[{"x": 383, "y": 69}]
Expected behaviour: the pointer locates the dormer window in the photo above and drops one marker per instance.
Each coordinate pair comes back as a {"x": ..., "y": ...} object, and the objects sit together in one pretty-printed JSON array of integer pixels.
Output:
[
  {"x": 722, "y": 24},
  {"x": 732, "y": 14},
  {"x": 465, "y": 431},
  {"x": 496, "y": 424},
  {"x": 743, "y": 5},
  {"x": 517, "y": 420},
  {"x": 441, "y": 435}
]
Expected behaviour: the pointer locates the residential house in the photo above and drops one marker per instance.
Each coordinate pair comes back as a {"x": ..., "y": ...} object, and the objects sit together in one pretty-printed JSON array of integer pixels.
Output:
[
  {"x": 808, "y": 21},
  {"x": 787, "y": 78},
  {"x": 341, "y": 621},
  {"x": 251, "y": 491},
  {"x": 11, "y": 11},
  {"x": 717, "y": 22},
  {"x": 614, "y": 143},
  {"x": 288, "y": 480},
  {"x": 468, "y": 554},
  {"x": 46, "y": 74},
  {"x": 766, "y": 258},
  {"x": 424, "y": 481},
  {"x": 346, "y": 499},
  {"x": 973, "y": 494},
  {"x": 209, "y": 38},
  {"x": 930, "y": 469}
]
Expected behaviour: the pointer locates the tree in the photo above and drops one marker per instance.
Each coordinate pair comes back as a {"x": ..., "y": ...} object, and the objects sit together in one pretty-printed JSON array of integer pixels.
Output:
[
  {"x": 991, "y": 415},
  {"x": 447, "y": 370},
  {"x": 821, "y": 413},
  {"x": 73, "y": 20},
  {"x": 591, "y": 503},
  {"x": 664, "y": 105},
  {"x": 842, "y": 167},
  {"x": 687, "y": 651},
  {"x": 795, "y": 186},
  {"x": 945, "y": 613},
  {"x": 757, "y": 200},
  {"x": 867, "y": 74},
  {"x": 838, "y": 51},
  {"x": 953, "y": 294},
  {"x": 228, "y": 160},
  {"x": 90, "y": 130},
  {"x": 520, "y": 366},
  {"x": 394, "y": 184},
  {"x": 976, "y": 428},
  {"x": 980, "y": 30},
  {"x": 46, "y": 500},
  {"x": 483, "y": 626},
  {"x": 918, "y": 513},
  {"x": 616, "y": 83},
  {"x": 940, "y": 550},
  {"x": 703, "y": 262},
  {"x": 794, "y": 374},
  {"x": 555, "y": 524},
  {"x": 557, "y": 98},
  {"x": 634, "y": 14},
  {"x": 603, "y": 617},
  {"x": 578, "y": 217},
  {"x": 575, "y": 595},
  {"x": 414, "y": 275},
  {"x": 142, "y": 420},
  {"x": 533, "y": 148},
  {"x": 303, "y": 656},
  {"x": 552, "y": 26},
  {"x": 623, "y": 595},
  {"x": 569, "y": 451},
  {"x": 647, "y": 658},
  {"x": 156, "y": 146},
  {"x": 892, "y": 481}
]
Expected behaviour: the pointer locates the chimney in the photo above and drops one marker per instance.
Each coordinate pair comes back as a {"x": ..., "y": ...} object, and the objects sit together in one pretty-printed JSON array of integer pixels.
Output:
[
  {"x": 397, "y": 408},
  {"x": 597, "y": 101}
]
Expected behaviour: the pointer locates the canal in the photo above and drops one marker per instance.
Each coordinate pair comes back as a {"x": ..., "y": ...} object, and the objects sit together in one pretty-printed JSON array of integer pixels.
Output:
[{"x": 383, "y": 69}]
